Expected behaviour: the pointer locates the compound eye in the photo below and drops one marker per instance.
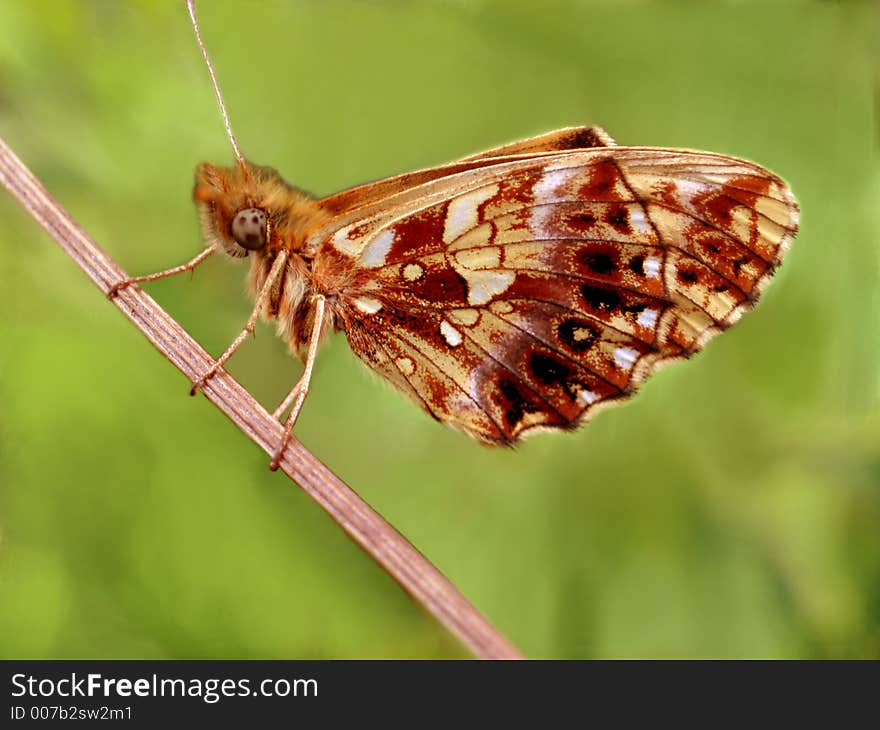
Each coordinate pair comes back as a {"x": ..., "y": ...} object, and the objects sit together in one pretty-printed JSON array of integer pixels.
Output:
[{"x": 249, "y": 228}]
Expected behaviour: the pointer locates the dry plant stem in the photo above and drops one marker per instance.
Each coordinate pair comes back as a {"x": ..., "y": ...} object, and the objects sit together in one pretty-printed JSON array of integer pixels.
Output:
[{"x": 383, "y": 543}]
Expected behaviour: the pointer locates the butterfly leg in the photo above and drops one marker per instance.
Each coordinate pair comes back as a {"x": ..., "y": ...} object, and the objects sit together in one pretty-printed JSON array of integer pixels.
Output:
[
  {"x": 264, "y": 294},
  {"x": 188, "y": 266},
  {"x": 298, "y": 393}
]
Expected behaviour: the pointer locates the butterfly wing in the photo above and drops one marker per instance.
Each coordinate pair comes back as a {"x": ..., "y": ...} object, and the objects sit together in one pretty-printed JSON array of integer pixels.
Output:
[
  {"x": 530, "y": 292},
  {"x": 559, "y": 140},
  {"x": 570, "y": 138}
]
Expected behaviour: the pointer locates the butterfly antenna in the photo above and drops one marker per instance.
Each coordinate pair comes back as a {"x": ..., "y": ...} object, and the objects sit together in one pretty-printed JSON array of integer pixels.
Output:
[{"x": 190, "y": 4}]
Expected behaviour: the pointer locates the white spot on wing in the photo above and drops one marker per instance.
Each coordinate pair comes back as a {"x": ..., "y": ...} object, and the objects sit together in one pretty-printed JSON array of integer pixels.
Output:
[
  {"x": 551, "y": 187},
  {"x": 585, "y": 397},
  {"x": 377, "y": 249},
  {"x": 368, "y": 305},
  {"x": 501, "y": 307},
  {"x": 341, "y": 242},
  {"x": 652, "y": 267},
  {"x": 639, "y": 221},
  {"x": 484, "y": 285},
  {"x": 648, "y": 318},
  {"x": 548, "y": 187},
  {"x": 687, "y": 189},
  {"x": 624, "y": 357},
  {"x": 538, "y": 221},
  {"x": 405, "y": 365},
  {"x": 450, "y": 334},
  {"x": 411, "y": 272},
  {"x": 461, "y": 215}
]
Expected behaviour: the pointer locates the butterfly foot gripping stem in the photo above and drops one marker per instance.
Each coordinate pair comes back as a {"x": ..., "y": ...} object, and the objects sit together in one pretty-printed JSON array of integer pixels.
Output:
[
  {"x": 276, "y": 458},
  {"x": 200, "y": 383},
  {"x": 297, "y": 397},
  {"x": 118, "y": 287}
]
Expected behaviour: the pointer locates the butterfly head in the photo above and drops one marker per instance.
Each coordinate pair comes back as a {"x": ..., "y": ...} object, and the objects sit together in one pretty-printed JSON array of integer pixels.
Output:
[{"x": 244, "y": 209}]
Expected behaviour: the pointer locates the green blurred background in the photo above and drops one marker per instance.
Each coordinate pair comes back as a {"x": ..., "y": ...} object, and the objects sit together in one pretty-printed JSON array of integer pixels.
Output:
[{"x": 732, "y": 509}]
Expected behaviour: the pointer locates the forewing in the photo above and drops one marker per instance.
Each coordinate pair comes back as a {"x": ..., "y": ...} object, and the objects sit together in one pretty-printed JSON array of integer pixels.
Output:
[
  {"x": 529, "y": 293},
  {"x": 347, "y": 202}
]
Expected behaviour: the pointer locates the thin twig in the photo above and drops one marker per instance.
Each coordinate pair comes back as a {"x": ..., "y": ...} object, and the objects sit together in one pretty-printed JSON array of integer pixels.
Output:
[{"x": 415, "y": 574}]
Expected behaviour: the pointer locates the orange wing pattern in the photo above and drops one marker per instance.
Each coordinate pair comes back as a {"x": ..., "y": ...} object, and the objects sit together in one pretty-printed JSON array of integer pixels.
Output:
[{"x": 528, "y": 291}]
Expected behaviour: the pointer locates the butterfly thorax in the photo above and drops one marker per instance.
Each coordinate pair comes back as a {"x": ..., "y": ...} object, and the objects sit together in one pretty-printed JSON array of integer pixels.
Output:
[{"x": 251, "y": 211}]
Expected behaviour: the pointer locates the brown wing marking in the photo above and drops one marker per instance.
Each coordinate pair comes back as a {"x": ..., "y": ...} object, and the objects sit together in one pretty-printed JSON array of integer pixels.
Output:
[{"x": 530, "y": 293}]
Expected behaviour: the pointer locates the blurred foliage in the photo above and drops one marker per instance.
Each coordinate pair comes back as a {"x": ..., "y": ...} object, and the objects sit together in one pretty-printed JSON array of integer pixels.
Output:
[{"x": 732, "y": 509}]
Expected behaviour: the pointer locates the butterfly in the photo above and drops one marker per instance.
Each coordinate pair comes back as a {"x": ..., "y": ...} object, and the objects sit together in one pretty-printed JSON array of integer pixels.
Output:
[{"x": 514, "y": 291}]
